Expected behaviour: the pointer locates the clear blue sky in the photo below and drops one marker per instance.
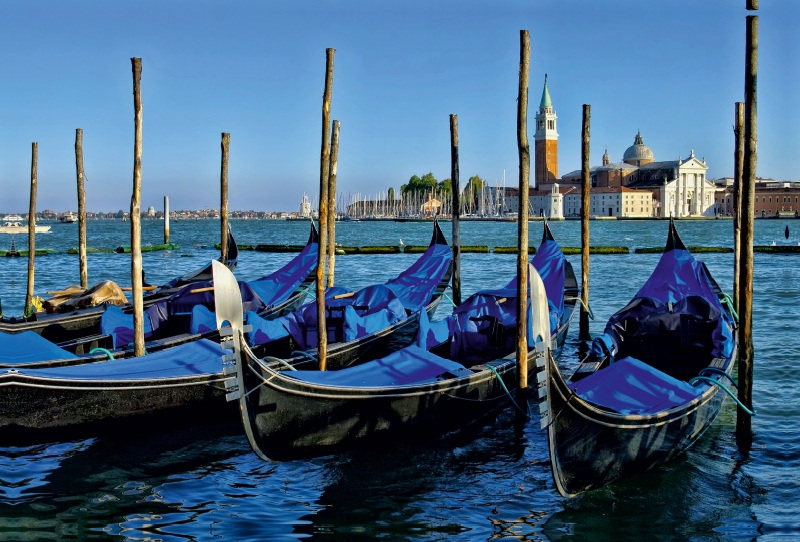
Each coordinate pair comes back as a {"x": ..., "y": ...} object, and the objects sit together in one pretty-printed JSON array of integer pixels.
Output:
[{"x": 670, "y": 68}]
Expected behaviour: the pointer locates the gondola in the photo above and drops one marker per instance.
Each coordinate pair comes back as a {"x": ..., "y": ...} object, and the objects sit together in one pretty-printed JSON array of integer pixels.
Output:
[
  {"x": 69, "y": 325},
  {"x": 457, "y": 371},
  {"x": 652, "y": 384},
  {"x": 183, "y": 317},
  {"x": 185, "y": 378}
]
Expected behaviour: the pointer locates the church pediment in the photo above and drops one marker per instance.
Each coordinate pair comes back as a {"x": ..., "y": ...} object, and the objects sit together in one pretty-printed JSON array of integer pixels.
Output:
[{"x": 693, "y": 163}]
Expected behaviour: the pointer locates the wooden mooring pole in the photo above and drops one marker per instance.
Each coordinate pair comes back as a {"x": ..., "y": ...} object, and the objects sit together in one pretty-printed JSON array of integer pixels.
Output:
[
  {"x": 456, "y": 219},
  {"x": 334, "y": 163},
  {"x": 223, "y": 197},
  {"x": 29, "y": 309},
  {"x": 322, "y": 330},
  {"x": 738, "y": 160},
  {"x": 744, "y": 435},
  {"x": 586, "y": 190},
  {"x": 84, "y": 269},
  {"x": 166, "y": 220},
  {"x": 522, "y": 222},
  {"x": 136, "y": 214}
]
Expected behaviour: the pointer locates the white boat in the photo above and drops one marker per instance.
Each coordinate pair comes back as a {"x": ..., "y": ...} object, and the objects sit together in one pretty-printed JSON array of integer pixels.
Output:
[
  {"x": 15, "y": 227},
  {"x": 68, "y": 218}
]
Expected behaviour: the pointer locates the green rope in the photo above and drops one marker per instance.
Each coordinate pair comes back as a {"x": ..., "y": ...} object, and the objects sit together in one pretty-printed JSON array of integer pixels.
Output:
[
  {"x": 513, "y": 402},
  {"x": 447, "y": 297},
  {"x": 306, "y": 290},
  {"x": 729, "y": 392},
  {"x": 306, "y": 354},
  {"x": 729, "y": 302},
  {"x": 279, "y": 360},
  {"x": 720, "y": 372},
  {"x": 103, "y": 350}
]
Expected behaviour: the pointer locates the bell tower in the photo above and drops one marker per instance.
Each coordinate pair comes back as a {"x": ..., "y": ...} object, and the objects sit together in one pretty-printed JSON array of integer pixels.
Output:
[{"x": 546, "y": 140}]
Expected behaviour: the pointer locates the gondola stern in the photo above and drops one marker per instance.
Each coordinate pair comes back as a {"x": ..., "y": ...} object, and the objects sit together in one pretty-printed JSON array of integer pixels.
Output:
[
  {"x": 313, "y": 237},
  {"x": 438, "y": 235},
  {"x": 674, "y": 241},
  {"x": 547, "y": 235}
]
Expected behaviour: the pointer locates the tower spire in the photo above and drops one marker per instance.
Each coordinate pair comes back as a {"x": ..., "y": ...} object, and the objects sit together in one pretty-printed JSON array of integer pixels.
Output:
[{"x": 546, "y": 138}]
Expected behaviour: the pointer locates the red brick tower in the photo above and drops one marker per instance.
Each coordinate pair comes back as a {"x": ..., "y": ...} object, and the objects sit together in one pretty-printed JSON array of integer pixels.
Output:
[{"x": 546, "y": 141}]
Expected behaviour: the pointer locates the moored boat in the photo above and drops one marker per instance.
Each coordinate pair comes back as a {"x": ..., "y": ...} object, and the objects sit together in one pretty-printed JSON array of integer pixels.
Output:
[
  {"x": 456, "y": 371},
  {"x": 653, "y": 383}
]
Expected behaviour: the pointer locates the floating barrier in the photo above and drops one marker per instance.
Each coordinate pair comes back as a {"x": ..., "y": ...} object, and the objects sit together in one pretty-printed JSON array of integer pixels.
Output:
[
  {"x": 241, "y": 247},
  {"x": 596, "y": 250},
  {"x": 24, "y": 253},
  {"x": 90, "y": 250},
  {"x": 465, "y": 249},
  {"x": 779, "y": 249},
  {"x": 278, "y": 248},
  {"x": 126, "y": 249},
  {"x": 512, "y": 250},
  {"x": 694, "y": 250}
]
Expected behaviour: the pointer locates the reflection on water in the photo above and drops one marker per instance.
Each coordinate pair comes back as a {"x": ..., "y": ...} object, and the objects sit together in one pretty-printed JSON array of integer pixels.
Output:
[{"x": 491, "y": 481}]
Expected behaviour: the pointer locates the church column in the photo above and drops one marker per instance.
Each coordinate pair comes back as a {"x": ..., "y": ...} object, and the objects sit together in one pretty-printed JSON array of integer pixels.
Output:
[
  {"x": 678, "y": 194},
  {"x": 702, "y": 195},
  {"x": 684, "y": 207}
]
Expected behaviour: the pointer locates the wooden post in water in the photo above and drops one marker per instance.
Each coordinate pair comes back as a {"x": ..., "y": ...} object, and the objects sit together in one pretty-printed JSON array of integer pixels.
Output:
[
  {"x": 586, "y": 189},
  {"x": 744, "y": 435},
  {"x": 456, "y": 219},
  {"x": 136, "y": 214},
  {"x": 334, "y": 162},
  {"x": 738, "y": 162},
  {"x": 84, "y": 269},
  {"x": 322, "y": 330},
  {"x": 166, "y": 220},
  {"x": 32, "y": 229},
  {"x": 522, "y": 222},
  {"x": 223, "y": 195}
]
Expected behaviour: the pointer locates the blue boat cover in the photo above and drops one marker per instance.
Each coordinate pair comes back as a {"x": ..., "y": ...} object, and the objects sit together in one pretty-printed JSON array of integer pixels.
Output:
[
  {"x": 119, "y": 325},
  {"x": 632, "y": 387},
  {"x": 415, "y": 286},
  {"x": 550, "y": 263},
  {"x": 29, "y": 346},
  {"x": 277, "y": 287},
  {"x": 679, "y": 285},
  {"x": 264, "y": 331},
  {"x": 202, "y": 320},
  {"x": 411, "y": 365},
  {"x": 202, "y": 357},
  {"x": 183, "y": 301}
]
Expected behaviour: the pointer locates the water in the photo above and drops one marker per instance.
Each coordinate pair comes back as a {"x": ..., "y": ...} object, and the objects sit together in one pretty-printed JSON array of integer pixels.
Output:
[{"x": 491, "y": 482}]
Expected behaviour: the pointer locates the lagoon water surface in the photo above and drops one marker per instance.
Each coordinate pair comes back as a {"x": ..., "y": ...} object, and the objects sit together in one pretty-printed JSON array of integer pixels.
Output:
[{"x": 200, "y": 481}]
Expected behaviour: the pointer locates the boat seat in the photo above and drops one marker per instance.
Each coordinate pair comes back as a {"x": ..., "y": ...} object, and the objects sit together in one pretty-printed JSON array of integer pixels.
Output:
[{"x": 83, "y": 345}]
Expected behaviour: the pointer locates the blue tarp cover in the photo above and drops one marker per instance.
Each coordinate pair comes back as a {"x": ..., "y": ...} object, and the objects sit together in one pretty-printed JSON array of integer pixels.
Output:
[
  {"x": 202, "y": 320},
  {"x": 183, "y": 301},
  {"x": 415, "y": 285},
  {"x": 29, "y": 346},
  {"x": 550, "y": 263},
  {"x": 632, "y": 387},
  {"x": 411, "y": 365},
  {"x": 682, "y": 281},
  {"x": 202, "y": 357},
  {"x": 119, "y": 325},
  {"x": 277, "y": 287}
]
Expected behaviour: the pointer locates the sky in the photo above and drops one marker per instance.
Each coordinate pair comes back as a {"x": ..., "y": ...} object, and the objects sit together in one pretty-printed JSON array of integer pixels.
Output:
[{"x": 672, "y": 69}]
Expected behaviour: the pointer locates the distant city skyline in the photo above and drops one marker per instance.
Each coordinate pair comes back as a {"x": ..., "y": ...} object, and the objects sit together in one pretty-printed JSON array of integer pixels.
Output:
[{"x": 670, "y": 69}]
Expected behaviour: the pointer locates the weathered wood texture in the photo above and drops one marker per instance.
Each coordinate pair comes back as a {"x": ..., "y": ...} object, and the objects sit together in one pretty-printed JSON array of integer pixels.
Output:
[
  {"x": 166, "y": 220},
  {"x": 744, "y": 435},
  {"x": 136, "y": 214},
  {"x": 334, "y": 163},
  {"x": 738, "y": 159},
  {"x": 324, "y": 164},
  {"x": 456, "y": 222},
  {"x": 752, "y": 5},
  {"x": 522, "y": 223},
  {"x": 32, "y": 228},
  {"x": 84, "y": 269},
  {"x": 223, "y": 196},
  {"x": 586, "y": 187}
]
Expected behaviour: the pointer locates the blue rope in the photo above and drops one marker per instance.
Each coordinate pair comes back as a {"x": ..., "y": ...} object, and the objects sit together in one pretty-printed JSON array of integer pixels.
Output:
[
  {"x": 720, "y": 372},
  {"x": 527, "y": 415},
  {"x": 729, "y": 392},
  {"x": 306, "y": 290},
  {"x": 103, "y": 350},
  {"x": 306, "y": 354}
]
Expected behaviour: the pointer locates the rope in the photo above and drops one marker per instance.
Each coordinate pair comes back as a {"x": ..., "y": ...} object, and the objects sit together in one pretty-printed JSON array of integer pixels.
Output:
[
  {"x": 527, "y": 415},
  {"x": 103, "y": 350},
  {"x": 306, "y": 354},
  {"x": 307, "y": 290},
  {"x": 447, "y": 297},
  {"x": 585, "y": 305},
  {"x": 279, "y": 360},
  {"x": 720, "y": 372},
  {"x": 729, "y": 302},
  {"x": 729, "y": 392}
]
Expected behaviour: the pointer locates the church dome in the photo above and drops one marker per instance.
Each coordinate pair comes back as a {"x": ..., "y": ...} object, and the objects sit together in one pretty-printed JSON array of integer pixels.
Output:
[{"x": 638, "y": 154}]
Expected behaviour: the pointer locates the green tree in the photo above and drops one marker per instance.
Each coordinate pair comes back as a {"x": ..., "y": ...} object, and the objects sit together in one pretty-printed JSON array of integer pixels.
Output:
[
  {"x": 390, "y": 196},
  {"x": 415, "y": 184},
  {"x": 446, "y": 187},
  {"x": 472, "y": 192}
]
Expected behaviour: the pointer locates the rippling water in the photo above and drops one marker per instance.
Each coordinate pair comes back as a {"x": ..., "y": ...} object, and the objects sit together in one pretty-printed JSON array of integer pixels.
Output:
[{"x": 202, "y": 482}]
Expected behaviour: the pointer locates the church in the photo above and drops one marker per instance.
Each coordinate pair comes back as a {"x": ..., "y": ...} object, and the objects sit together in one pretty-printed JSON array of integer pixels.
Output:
[{"x": 679, "y": 187}]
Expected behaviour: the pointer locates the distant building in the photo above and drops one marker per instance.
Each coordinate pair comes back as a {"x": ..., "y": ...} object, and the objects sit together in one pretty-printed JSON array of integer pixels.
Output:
[
  {"x": 772, "y": 199},
  {"x": 679, "y": 187},
  {"x": 151, "y": 211},
  {"x": 613, "y": 201},
  {"x": 546, "y": 141}
]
